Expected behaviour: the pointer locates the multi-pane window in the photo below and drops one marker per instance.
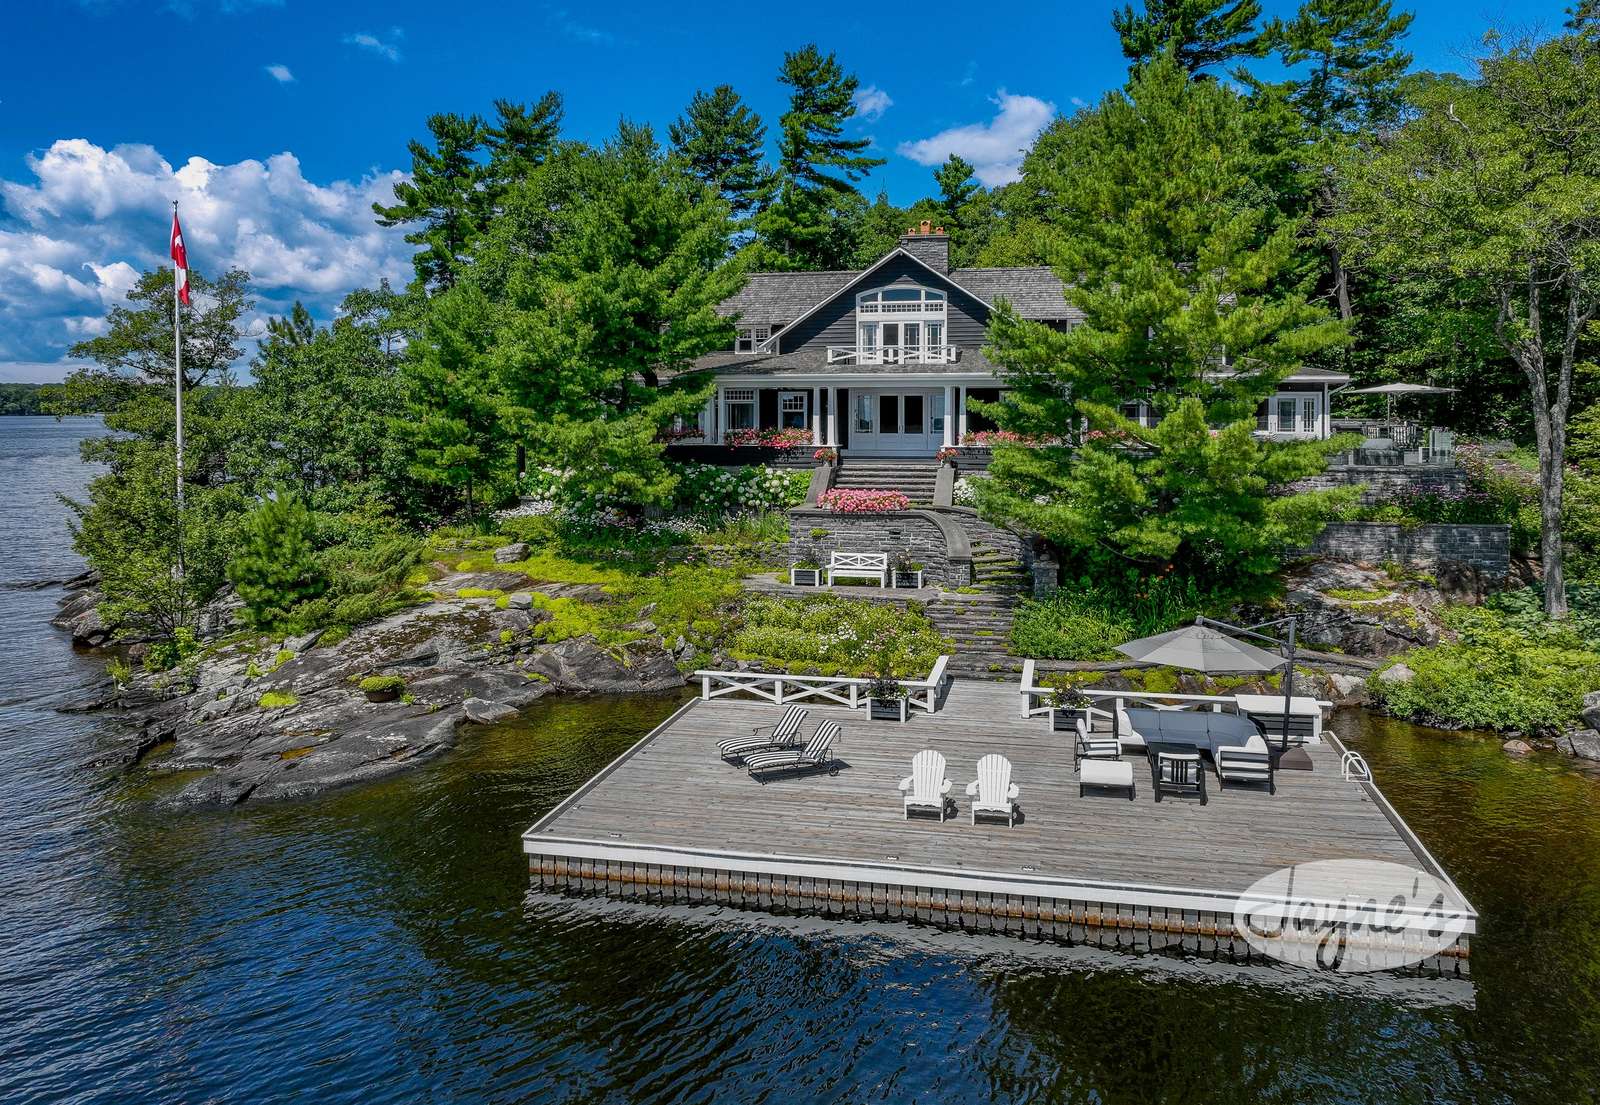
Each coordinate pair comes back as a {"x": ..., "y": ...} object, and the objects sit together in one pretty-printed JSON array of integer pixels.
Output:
[
  {"x": 741, "y": 405},
  {"x": 792, "y": 410},
  {"x": 749, "y": 338}
]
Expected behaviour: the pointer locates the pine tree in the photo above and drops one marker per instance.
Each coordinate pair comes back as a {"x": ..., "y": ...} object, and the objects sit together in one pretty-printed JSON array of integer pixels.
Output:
[
  {"x": 958, "y": 183},
  {"x": 1176, "y": 264},
  {"x": 455, "y": 416},
  {"x": 720, "y": 141},
  {"x": 521, "y": 139},
  {"x": 1350, "y": 85},
  {"x": 817, "y": 167},
  {"x": 444, "y": 196},
  {"x": 275, "y": 568},
  {"x": 1199, "y": 33}
]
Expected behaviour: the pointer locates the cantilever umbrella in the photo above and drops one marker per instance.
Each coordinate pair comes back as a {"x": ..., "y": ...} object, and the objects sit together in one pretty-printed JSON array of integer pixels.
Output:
[
  {"x": 1389, "y": 391},
  {"x": 1201, "y": 648}
]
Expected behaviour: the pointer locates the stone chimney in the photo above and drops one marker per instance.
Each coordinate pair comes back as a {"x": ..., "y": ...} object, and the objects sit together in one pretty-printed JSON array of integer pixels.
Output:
[{"x": 928, "y": 244}]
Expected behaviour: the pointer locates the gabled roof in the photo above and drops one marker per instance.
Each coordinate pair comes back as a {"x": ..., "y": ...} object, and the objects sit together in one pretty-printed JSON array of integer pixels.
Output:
[{"x": 1035, "y": 291}]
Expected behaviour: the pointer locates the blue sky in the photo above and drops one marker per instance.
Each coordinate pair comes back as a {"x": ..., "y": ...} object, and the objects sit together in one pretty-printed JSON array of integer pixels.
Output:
[{"x": 278, "y": 123}]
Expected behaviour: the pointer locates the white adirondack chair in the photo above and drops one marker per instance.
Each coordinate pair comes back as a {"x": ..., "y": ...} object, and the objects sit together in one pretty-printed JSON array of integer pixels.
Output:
[
  {"x": 925, "y": 788},
  {"x": 993, "y": 792}
]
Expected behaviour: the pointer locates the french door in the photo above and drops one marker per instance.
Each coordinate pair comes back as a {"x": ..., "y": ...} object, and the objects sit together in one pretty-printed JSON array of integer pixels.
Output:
[{"x": 896, "y": 423}]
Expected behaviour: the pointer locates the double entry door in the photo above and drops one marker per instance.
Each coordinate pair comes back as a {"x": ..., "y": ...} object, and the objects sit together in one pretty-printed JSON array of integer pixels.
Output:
[{"x": 908, "y": 422}]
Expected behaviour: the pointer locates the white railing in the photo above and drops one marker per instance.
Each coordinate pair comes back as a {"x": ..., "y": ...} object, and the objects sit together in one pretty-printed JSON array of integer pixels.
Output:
[
  {"x": 781, "y": 687},
  {"x": 1035, "y": 698},
  {"x": 902, "y": 307},
  {"x": 893, "y": 354}
]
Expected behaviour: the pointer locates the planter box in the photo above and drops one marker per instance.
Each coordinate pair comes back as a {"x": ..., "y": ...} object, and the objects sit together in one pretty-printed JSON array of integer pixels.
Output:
[
  {"x": 1064, "y": 720},
  {"x": 887, "y": 709},
  {"x": 805, "y": 577},
  {"x": 908, "y": 579}
]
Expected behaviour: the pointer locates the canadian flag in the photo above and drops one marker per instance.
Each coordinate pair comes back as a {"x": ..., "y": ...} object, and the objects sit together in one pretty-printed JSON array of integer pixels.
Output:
[{"x": 180, "y": 260}]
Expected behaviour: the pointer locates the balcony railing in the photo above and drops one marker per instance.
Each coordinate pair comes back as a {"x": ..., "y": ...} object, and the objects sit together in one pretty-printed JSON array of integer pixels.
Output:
[{"x": 892, "y": 354}]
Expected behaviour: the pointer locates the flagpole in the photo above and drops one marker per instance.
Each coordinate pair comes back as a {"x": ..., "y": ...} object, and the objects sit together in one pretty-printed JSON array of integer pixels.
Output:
[{"x": 177, "y": 388}]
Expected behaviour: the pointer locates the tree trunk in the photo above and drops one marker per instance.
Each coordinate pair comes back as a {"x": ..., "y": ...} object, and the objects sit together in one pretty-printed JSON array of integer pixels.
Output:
[
  {"x": 1552, "y": 449},
  {"x": 1341, "y": 282}
]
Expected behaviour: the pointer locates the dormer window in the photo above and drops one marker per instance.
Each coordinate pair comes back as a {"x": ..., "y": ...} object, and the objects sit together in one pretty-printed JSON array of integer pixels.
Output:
[{"x": 749, "y": 338}]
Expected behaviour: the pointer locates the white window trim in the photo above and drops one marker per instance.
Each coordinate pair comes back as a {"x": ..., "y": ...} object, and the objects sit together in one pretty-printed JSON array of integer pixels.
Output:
[{"x": 756, "y": 336}]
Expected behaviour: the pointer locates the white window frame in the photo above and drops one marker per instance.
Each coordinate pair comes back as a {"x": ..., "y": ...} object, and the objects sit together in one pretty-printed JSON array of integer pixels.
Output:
[
  {"x": 794, "y": 402},
  {"x": 749, "y": 339},
  {"x": 740, "y": 397},
  {"x": 931, "y": 307}
]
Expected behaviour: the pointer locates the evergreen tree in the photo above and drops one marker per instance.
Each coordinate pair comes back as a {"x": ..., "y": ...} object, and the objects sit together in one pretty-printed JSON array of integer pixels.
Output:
[
  {"x": 1349, "y": 86},
  {"x": 958, "y": 183},
  {"x": 275, "y": 568},
  {"x": 817, "y": 167},
  {"x": 1199, "y": 33},
  {"x": 600, "y": 332},
  {"x": 1182, "y": 274},
  {"x": 455, "y": 409},
  {"x": 720, "y": 141},
  {"x": 520, "y": 140},
  {"x": 444, "y": 198},
  {"x": 295, "y": 329}
]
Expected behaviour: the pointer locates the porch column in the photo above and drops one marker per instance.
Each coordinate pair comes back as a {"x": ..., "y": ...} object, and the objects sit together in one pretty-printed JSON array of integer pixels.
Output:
[
  {"x": 961, "y": 430},
  {"x": 949, "y": 414},
  {"x": 816, "y": 415},
  {"x": 719, "y": 416},
  {"x": 1327, "y": 413},
  {"x": 833, "y": 416}
]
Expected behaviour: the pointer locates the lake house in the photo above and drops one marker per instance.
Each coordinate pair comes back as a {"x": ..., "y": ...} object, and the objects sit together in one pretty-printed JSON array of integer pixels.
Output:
[{"x": 882, "y": 362}]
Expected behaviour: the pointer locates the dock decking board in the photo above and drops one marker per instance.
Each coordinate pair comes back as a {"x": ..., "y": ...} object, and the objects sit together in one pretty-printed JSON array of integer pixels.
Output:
[{"x": 672, "y": 800}]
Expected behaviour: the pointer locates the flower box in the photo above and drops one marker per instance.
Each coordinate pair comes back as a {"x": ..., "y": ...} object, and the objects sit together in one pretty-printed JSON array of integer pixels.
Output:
[
  {"x": 887, "y": 709},
  {"x": 805, "y": 577},
  {"x": 1063, "y": 719},
  {"x": 908, "y": 578}
]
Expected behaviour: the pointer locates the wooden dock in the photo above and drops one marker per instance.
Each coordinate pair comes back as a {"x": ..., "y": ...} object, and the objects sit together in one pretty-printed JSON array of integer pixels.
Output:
[{"x": 670, "y": 821}]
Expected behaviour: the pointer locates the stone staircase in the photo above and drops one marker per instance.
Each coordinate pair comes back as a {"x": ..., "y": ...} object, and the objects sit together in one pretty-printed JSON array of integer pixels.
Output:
[
  {"x": 914, "y": 477},
  {"x": 980, "y": 623}
]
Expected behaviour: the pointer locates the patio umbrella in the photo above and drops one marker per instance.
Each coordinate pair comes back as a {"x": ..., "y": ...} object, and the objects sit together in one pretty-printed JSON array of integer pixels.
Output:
[{"x": 1201, "y": 648}]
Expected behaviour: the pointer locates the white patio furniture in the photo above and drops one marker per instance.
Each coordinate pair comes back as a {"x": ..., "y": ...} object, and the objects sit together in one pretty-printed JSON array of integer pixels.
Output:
[
  {"x": 927, "y": 786},
  {"x": 817, "y": 755},
  {"x": 1106, "y": 774},
  {"x": 992, "y": 792},
  {"x": 859, "y": 566},
  {"x": 785, "y": 733},
  {"x": 1250, "y": 762}
]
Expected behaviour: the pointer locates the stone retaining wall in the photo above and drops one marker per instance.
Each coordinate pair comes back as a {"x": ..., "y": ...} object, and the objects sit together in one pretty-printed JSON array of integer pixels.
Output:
[
  {"x": 1484, "y": 548},
  {"x": 911, "y": 534},
  {"x": 1384, "y": 482}
]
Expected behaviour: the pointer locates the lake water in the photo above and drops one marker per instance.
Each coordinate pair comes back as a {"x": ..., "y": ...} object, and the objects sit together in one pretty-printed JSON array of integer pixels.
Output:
[{"x": 380, "y": 945}]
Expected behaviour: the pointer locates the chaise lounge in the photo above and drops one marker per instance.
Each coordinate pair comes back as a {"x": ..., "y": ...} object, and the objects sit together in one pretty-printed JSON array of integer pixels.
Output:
[
  {"x": 782, "y": 735},
  {"x": 817, "y": 755}
]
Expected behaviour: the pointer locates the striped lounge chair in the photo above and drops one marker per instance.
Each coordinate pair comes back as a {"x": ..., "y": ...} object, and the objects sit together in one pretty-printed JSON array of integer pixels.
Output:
[
  {"x": 763, "y": 737},
  {"x": 817, "y": 755}
]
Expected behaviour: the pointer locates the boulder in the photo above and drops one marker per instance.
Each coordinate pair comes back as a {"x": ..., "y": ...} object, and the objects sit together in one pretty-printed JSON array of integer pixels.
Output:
[
  {"x": 485, "y": 712},
  {"x": 510, "y": 554},
  {"x": 1582, "y": 743},
  {"x": 520, "y": 600},
  {"x": 1591, "y": 709},
  {"x": 303, "y": 643},
  {"x": 1518, "y": 747},
  {"x": 1347, "y": 690},
  {"x": 1396, "y": 673},
  {"x": 580, "y": 664}
]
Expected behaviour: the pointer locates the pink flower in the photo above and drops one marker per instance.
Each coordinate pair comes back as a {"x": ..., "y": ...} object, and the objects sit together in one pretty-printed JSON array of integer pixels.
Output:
[{"x": 859, "y": 500}]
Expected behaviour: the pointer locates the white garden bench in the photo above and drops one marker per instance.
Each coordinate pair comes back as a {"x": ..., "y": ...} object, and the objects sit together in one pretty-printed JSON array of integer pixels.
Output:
[{"x": 859, "y": 565}]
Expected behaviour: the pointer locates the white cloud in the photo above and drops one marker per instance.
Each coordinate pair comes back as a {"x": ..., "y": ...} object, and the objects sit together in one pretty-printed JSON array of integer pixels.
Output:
[
  {"x": 871, "y": 102},
  {"x": 1078, "y": 102},
  {"x": 995, "y": 148},
  {"x": 577, "y": 30},
  {"x": 389, "y": 49},
  {"x": 74, "y": 238},
  {"x": 280, "y": 73}
]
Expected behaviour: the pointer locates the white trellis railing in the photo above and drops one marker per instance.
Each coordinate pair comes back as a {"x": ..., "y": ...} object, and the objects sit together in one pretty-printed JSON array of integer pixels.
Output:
[{"x": 781, "y": 687}]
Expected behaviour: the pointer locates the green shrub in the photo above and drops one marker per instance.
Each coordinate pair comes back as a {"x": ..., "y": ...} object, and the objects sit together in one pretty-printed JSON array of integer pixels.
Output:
[
  {"x": 276, "y": 569},
  {"x": 182, "y": 650},
  {"x": 1068, "y": 626},
  {"x": 838, "y": 636},
  {"x": 479, "y": 593},
  {"x": 276, "y": 700},
  {"x": 120, "y": 671},
  {"x": 1503, "y": 672},
  {"x": 381, "y": 684}
]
